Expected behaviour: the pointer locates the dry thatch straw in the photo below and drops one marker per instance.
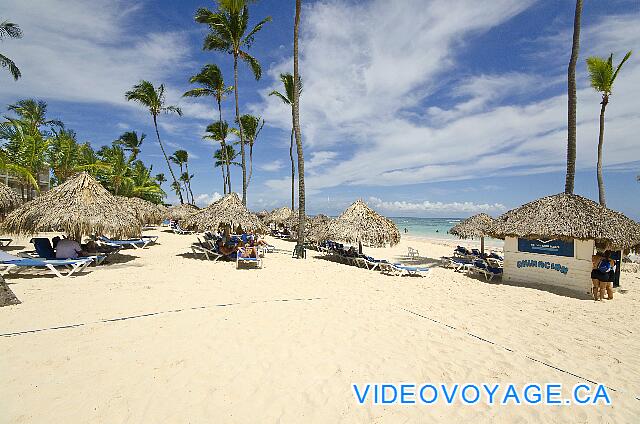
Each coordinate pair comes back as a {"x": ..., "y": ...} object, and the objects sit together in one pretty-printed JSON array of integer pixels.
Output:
[
  {"x": 360, "y": 223},
  {"x": 278, "y": 216},
  {"x": 181, "y": 212},
  {"x": 317, "y": 228},
  {"x": 80, "y": 206},
  {"x": 9, "y": 199},
  {"x": 566, "y": 217},
  {"x": 145, "y": 211},
  {"x": 263, "y": 213},
  {"x": 473, "y": 227},
  {"x": 226, "y": 211}
]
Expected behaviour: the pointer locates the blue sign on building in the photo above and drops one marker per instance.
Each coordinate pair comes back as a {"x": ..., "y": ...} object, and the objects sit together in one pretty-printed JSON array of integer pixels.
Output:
[{"x": 546, "y": 247}]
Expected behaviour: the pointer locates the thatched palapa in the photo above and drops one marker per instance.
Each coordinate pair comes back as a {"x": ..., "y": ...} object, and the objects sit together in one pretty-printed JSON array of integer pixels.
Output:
[
  {"x": 360, "y": 223},
  {"x": 226, "y": 211},
  {"x": 263, "y": 213},
  {"x": 475, "y": 226},
  {"x": 566, "y": 217},
  {"x": 80, "y": 206},
  {"x": 278, "y": 216},
  {"x": 9, "y": 200},
  {"x": 181, "y": 212},
  {"x": 145, "y": 211},
  {"x": 317, "y": 228}
]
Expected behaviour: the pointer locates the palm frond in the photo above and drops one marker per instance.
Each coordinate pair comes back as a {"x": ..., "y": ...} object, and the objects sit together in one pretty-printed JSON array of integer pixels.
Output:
[
  {"x": 5, "y": 62},
  {"x": 253, "y": 63},
  {"x": 615, "y": 74},
  {"x": 280, "y": 96},
  {"x": 9, "y": 29}
]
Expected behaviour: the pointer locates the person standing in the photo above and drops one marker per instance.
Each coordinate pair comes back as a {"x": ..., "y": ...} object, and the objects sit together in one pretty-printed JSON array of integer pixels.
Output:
[{"x": 602, "y": 275}]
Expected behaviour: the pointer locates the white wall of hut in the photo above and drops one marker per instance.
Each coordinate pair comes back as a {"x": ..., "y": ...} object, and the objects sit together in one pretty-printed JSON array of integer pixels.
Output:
[{"x": 577, "y": 276}]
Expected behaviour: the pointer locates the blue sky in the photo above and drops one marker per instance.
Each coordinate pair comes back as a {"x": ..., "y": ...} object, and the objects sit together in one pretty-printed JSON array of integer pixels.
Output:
[{"x": 422, "y": 108}]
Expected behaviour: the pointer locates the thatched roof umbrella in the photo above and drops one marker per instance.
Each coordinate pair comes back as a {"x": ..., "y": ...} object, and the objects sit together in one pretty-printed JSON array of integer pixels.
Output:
[
  {"x": 472, "y": 227},
  {"x": 145, "y": 211},
  {"x": 9, "y": 200},
  {"x": 262, "y": 213},
  {"x": 278, "y": 216},
  {"x": 226, "y": 211},
  {"x": 567, "y": 217},
  {"x": 360, "y": 223},
  {"x": 181, "y": 212},
  {"x": 80, "y": 206},
  {"x": 318, "y": 227}
]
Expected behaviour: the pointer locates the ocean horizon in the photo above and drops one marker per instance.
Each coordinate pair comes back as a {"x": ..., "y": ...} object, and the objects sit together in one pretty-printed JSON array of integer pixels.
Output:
[{"x": 434, "y": 228}]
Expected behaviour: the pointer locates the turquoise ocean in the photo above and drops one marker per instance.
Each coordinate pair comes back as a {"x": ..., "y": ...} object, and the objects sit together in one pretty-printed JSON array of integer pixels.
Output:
[{"x": 436, "y": 228}]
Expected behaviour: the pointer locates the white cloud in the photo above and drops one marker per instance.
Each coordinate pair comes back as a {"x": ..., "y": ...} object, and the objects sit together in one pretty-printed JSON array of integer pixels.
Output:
[
  {"x": 123, "y": 126},
  {"x": 205, "y": 199},
  {"x": 437, "y": 207},
  {"x": 82, "y": 51},
  {"x": 273, "y": 166},
  {"x": 366, "y": 79}
]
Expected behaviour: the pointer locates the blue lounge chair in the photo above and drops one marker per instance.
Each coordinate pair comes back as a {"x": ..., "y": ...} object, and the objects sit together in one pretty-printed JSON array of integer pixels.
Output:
[
  {"x": 400, "y": 269},
  {"x": 239, "y": 259},
  {"x": 206, "y": 248},
  {"x": 140, "y": 243},
  {"x": 44, "y": 250},
  {"x": 11, "y": 263}
]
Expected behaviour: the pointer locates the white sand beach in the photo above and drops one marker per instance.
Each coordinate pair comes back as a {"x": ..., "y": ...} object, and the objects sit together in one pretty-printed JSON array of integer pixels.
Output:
[{"x": 208, "y": 343}]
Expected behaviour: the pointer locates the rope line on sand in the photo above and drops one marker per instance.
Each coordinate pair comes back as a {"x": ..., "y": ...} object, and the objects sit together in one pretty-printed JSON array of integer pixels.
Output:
[
  {"x": 149, "y": 314},
  {"x": 451, "y": 327}
]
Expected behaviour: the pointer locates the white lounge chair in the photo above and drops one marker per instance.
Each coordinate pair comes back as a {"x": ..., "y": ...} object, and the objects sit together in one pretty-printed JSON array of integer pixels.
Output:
[
  {"x": 140, "y": 243},
  {"x": 11, "y": 263},
  {"x": 5, "y": 242},
  {"x": 400, "y": 269},
  {"x": 412, "y": 253}
]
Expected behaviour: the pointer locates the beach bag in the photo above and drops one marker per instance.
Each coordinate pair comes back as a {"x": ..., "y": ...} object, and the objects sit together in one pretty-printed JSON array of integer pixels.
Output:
[{"x": 604, "y": 266}]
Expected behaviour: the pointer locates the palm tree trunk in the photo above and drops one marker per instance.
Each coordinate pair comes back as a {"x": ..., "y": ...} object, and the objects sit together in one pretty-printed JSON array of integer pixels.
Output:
[
  {"x": 244, "y": 164},
  {"x": 572, "y": 101},
  {"x": 224, "y": 152},
  {"x": 296, "y": 129},
  {"x": 155, "y": 124},
  {"x": 186, "y": 165},
  {"x": 605, "y": 101},
  {"x": 250, "y": 164},
  {"x": 224, "y": 180},
  {"x": 293, "y": 172}
]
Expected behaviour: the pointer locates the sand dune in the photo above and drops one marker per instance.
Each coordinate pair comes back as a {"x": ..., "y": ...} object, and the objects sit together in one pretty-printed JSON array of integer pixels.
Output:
[{"x": 205, "y": 342}]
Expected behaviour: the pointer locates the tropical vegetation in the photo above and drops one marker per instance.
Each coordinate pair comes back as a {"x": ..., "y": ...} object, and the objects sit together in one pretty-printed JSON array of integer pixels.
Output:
[
  {"x": 602, "y": 75},
  {"x": 228, "y": 33},
  {"x": 145, "y": 94},
  {"x": 36, "y": 147}
]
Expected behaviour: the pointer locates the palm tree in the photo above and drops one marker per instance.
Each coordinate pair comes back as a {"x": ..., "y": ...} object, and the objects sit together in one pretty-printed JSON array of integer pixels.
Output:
[
  {"x": 143, "y": 185},
  {"x": 11, "y": 30},
  {"x": 185, "y": 177},
  {"x": 160, "y": 178},
  {"x": 602, "y": 77},
  {"x": 571, "y": 88},
  {"x": 66, "y": 156},
  {"x": 219, "y": 131},
  {"x": 180, "y": 158},
  {"x": 251, "y": 126},
  {"x": 34, "y": 114},
  {"x": 212, "y": 82},
  {"x": 117, "y": 171},
  {"x": 228, "y": 33},
  {"x": 225, "y": 156},
  {"x": 296, "y": 129},
  {"x": 148, "y": 96},
  {"x": 131, "y": 142},
  {"x": 288, "y": 99}
]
